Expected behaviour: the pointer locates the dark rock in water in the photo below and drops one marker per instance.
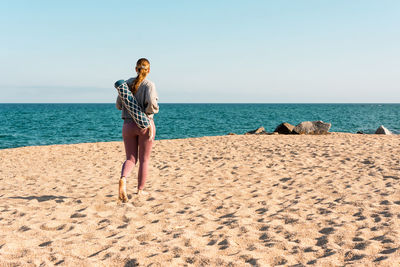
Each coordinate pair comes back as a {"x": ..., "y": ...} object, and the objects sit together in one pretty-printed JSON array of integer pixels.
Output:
[
  {"x": 383, "y": 130},
  {"x": 360, "y": 132},
  {"x": 260, "y": 130},
  {"x": 284, "y": 128},
  {"x": 312, "y": 127}
]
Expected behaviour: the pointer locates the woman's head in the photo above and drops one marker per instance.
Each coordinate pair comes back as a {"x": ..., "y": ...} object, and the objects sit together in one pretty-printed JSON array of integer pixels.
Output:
[{"x": 142, "y": 69}]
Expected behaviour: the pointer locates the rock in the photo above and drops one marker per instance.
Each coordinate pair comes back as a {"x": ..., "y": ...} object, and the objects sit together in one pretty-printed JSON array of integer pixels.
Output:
[
  {"x": 383, "y": 130},
  {"x": 312, "y": 127},
  {"x": 260, "y": 130},
  {"x": 360, "y": 132},
  {"x": 284, "y": 128},
  {"x": 231, "y": 134}
]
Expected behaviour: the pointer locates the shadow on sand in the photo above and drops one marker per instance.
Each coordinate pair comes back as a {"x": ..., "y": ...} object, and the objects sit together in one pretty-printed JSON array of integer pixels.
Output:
[{"x": 42, "y": 198}]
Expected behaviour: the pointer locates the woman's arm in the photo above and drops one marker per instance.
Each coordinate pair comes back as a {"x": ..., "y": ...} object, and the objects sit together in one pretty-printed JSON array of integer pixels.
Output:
[
  {"x": 151, "y": 102},
  {"x": 118, "y": 103}
]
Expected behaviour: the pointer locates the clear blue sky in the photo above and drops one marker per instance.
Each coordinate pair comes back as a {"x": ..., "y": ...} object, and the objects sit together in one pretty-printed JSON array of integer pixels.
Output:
[{"x": 202, "y": 51}]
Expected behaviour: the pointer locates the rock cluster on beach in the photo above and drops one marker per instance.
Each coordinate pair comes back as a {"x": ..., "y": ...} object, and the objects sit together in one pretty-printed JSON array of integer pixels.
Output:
[
  {"x": 312, "y": 127},
  {"x": 259, "y": 130},
  {"x": 284, "y": 128},
  {"x": 383, "y": 130},
  {"x": 305, "y": 127},
  {"x": 308, "y": 127}
]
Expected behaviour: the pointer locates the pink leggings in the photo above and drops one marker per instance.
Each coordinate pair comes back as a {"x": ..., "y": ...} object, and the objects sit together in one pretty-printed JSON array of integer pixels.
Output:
[{"x": 137, "y": 140}]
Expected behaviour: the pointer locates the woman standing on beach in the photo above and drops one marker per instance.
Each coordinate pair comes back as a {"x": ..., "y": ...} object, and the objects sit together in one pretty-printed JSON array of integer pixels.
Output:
[{"x": 136, "y": 140}]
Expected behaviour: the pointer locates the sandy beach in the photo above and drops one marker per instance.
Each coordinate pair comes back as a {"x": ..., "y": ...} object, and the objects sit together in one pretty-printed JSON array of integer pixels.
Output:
[{"x": 241, "y": 200}]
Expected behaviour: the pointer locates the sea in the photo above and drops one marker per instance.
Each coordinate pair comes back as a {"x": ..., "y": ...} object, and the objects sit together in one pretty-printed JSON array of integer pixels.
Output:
[{"x": 47, "y": 124}]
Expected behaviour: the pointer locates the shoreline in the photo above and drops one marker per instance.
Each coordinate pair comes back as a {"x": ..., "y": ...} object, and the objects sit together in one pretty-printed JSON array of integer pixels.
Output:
[
  {"x": 228, "y": 134},
  {"x": 241, "y": 200}
]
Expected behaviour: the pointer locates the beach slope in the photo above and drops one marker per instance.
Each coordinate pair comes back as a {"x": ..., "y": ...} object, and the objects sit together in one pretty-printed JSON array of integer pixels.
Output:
[{"x": 254, "y": 200}]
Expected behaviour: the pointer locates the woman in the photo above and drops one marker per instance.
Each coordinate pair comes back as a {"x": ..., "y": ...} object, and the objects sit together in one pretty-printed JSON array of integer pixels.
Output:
[{"x": 136, "y": 140}]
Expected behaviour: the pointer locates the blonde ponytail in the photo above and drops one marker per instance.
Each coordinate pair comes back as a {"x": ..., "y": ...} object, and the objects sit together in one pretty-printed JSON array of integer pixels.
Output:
[{"x": 142, "y": 66}]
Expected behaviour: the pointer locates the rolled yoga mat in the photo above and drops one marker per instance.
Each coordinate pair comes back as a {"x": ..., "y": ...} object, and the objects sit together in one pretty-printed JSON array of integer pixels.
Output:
[{"x": 128, "y": 99}]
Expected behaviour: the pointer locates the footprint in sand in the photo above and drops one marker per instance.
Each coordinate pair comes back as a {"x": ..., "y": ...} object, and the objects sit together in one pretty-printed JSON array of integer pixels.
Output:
[
  {"x": 381, "y": 258},
  {"x": 177, "y": 251},
  {"x": 98, "y": 252},
  {"x": 45, "y": 244},
  {"x": 52, "y": 226},
  {"x": 77, "y": 215},
  {"x": 104, "y": 221},
  {"x": 360, "y": 245},
  {"x": 389, "y": 251},
  {"x": 224, "y": 244},
  {"x": 24, "y": 228},
  {"x": 250, "y": 260},
  {"x": 351, "y": 256},
  {"x": 212, "y": 242}
]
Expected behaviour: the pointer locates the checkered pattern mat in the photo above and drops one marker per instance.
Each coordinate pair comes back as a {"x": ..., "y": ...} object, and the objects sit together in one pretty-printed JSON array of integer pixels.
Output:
[{"x": 131, "y": 104}]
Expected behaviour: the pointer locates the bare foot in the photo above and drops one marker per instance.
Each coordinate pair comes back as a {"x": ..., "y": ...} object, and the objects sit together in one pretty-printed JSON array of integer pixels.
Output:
[
  {"x": 142, "y": 192},
  {"x": 122, "y": 196}
]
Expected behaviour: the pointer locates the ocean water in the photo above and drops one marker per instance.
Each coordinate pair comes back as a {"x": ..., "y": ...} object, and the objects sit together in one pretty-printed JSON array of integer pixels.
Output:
[{"x": 45, "y": 124}]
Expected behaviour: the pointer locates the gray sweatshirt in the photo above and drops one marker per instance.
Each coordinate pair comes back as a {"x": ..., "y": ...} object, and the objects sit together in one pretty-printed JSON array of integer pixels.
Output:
[{"x": 146, "y": 97}]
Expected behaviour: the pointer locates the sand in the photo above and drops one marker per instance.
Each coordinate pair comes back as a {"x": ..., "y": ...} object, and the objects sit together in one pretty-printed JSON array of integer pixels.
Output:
[{"x": 245, "y": 200}]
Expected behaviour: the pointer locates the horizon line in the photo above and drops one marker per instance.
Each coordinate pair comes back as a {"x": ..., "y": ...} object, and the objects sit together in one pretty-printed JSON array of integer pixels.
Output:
[{"x": 194, "y": 103}]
